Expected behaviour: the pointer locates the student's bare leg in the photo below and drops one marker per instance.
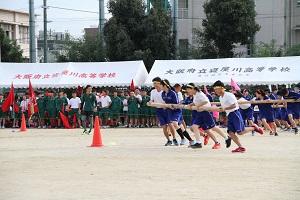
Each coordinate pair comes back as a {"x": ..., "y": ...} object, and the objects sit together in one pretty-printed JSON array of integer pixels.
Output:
[{"x": 235, "y": 139}]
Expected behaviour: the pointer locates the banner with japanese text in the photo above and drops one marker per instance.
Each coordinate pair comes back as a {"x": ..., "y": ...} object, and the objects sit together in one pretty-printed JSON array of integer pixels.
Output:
[
  {"x": 73, "y": 74},
  {"x": 251, "y": 71}
]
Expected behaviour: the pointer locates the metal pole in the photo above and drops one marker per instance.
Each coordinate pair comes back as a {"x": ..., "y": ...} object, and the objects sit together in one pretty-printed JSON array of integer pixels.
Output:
[
  {"x": 45, "y": 31},
  {"x": 175, "y": 16},
  {"x": 101, "y": 15},
  {"x": 32, "y": 32}
]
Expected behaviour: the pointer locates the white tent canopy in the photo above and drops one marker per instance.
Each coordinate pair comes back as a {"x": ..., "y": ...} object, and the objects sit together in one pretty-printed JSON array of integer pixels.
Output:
[
  {"x": 62, "y": 75},
  {"x": 251, "y": 71}
]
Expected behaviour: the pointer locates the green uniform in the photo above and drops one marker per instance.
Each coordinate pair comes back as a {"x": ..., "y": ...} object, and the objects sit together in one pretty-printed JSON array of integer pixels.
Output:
[
  {"x": 61, "y": 103},
  {"x": 51, "y": 106},
  {"x": 42, "y": 107},
  {"x": 116, "y": 107},
  {"x": 145, "y": 110},
  {"x": 1, "y": 112},
  {"x": 133, "y": 107},
  {"x": 89, "y": 103}
]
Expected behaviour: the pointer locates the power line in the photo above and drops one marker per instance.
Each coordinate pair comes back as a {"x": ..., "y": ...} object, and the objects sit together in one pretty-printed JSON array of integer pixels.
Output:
[{"x": 71, "y": 9}]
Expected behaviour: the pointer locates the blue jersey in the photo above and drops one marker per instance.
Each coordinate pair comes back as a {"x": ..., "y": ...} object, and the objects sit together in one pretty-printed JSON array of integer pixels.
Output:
[
  {"x": 188, "y": 100},
  {"x": 266, "y": 107},
  {"x": 171, "y": 97},
  {"x": 209, "y": 97},
  {"x": 274, "y": 97},
  {"x": 292, "y": 95}
]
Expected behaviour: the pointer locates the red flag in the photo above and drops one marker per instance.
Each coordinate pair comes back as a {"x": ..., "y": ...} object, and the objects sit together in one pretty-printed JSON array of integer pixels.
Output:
[
  {"x": 32, "y": 105},
  {"x": 132, "y": 87},
  {"x": 64, "y": 120},
  {"x": 10, "y": 100},
  {"x": 234, "y": 86},
  {"x": 74, "y": 121}
]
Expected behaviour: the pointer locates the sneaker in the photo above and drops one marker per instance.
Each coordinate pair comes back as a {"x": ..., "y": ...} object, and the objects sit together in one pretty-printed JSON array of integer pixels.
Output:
[
  {"x": 89, "y": 132},
  {"x": 169, "y": 143},
  {"x": 39, "y": 127},
  {"x": 239, "y": 150},
  {"x": 182, "y": 142},
  {"x": 196, "y": 146},
  {"x": 206, "y": 138},
  {"x": 296, "y": 130},
  {"x": 253, "y": 133},
  {"x": 3, "y": 126},
  {"x": 287, "y": 129},
  {"x": 84, "y": 132},
  {"x": 258, "y": 129},
  {"x": 228, "y": 142},
  {"x": 175, "y": 142},
  {"x": 276, "y": 134},
  {"x": 216, "y": 146}
]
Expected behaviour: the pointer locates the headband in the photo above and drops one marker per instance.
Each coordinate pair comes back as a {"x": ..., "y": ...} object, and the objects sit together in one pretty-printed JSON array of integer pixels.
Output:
[
  {"x": 190, "y": 86},
  {"x": 166, "y": 83},
  {"x": 218, "y": 87}
]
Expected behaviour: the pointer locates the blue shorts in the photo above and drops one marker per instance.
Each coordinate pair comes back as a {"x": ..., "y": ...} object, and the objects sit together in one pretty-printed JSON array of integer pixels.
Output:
[
  {"x": 175, "y": 115},
  {"x": 204, "y": 119},
  {"x": 269, "y": 116},
  {"x": 256, "y": 116},
  {"x": 162, "y": 116},
  {"x": 247, "y": 114},
  {"x": 235, "y": 122},
  {"x": 283, "y": 115},
  {"x": 277, "y": 114},
  {"x": 294, "y": 111}
]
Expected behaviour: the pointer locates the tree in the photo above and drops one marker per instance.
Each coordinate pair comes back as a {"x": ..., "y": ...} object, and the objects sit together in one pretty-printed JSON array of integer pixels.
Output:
[
  {"x": 84, "y": 49},
  {"x": 130, "y": 34},
  {"x": 267, "y": 50},
  {"x": 228, "y": 23},
  {"x": 10, "y": 51},
  {"x": 293, "y": 51}
]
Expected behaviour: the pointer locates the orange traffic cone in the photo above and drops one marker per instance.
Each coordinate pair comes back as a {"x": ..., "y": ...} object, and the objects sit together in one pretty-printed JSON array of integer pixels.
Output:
[
  {"x": 23, "y": 124},
  {"x": 97, "y": 138}
]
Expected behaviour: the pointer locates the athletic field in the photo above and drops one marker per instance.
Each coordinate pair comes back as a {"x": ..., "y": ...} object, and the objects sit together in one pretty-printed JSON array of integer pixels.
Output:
[{"x": 134, "y": 165}]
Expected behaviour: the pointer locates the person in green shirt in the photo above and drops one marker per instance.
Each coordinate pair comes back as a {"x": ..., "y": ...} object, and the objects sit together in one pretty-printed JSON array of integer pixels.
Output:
[
  {"x": 122, "y": 117},
  {"x": 145, "y": 110},
  {"x": 2, "y": 115},
  {"x": 133, "y": 109},
  {"x": 115, "y": 108},
  {"x": 42, "y": 107},
  {"x": 89, "y": 107},
  {"x": 61, "y": 103},
  {"x": 50, "y": 102}
]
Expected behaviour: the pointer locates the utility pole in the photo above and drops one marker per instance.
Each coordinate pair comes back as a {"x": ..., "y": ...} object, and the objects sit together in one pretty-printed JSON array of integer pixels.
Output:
[
  {"x": 32, "y": 46},
  {"x": 45, "y": 31},
  {"x": 175, "y": 17},
  {"x": 101, "y": 16}
]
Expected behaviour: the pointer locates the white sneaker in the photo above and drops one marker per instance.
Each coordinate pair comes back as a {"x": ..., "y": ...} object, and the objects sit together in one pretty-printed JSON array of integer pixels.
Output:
[
  {"x": 3, "y": 126},
  {"x": 39, "y": 127},
  {"x": 183, "y": 142}
]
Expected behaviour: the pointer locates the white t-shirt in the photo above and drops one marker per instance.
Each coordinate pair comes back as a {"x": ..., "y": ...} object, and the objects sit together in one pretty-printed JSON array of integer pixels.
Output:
[
  {"x": 199, "y": 98},
  {"x": 125, "y": 105},
  {"x": 180, "y": 96},
  {"x": 24, "y": 105},
  {"x": 74, "y": 102},
  {"x": 244, "y": 106},
  {"x": 156, "y": 97},
  {"x": 105, "y": 101},
  {"x": 227, "y": 100}
]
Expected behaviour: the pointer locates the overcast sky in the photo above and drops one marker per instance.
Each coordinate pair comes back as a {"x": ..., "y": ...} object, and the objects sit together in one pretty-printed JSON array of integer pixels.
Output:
[{"x": 61, "y": 20}]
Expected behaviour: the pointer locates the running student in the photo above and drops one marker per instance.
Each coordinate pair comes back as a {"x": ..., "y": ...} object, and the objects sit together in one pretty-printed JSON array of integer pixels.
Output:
[
  {"x": 245, "y": 109},
  {"x": 235, "y": 125},
  {"x": 175, "y": 115},
  {"x": 89, "y": 107},
  {"x": 162, "y": 115},
  {"x": 204, "y": 119},
  {"x": 266, "y": 112},
  {"x": 293, "y": 110}
]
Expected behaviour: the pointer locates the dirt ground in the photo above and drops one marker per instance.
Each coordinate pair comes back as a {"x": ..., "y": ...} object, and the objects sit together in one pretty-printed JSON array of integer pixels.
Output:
[{"x": 134, "y": 165}]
